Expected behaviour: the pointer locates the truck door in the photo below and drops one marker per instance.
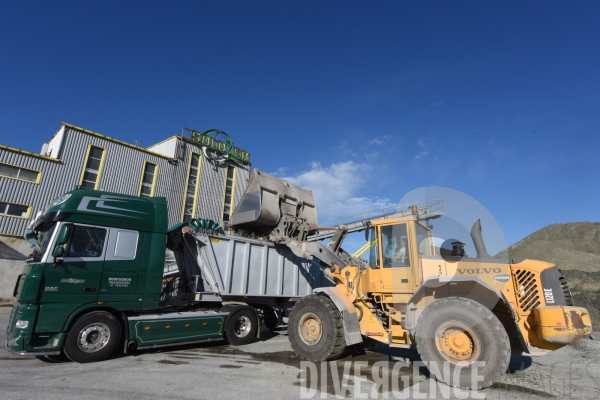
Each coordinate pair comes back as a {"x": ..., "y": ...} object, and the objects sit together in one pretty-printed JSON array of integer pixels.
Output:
[
  {"x": 397, "y": 268},
  {"x": 81, "y": 267},
  {"x": 121, "y": 266}
]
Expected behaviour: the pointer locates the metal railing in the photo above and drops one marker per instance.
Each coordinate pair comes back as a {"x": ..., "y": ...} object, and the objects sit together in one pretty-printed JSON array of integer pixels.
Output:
[{"x": 358, "y": 222}]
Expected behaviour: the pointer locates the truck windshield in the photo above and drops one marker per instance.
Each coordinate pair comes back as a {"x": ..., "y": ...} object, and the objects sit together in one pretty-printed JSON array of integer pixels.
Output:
[{"x": 43, "y": 239}]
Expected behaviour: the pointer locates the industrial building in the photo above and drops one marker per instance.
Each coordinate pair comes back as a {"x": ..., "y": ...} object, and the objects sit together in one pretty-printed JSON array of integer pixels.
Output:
[{"x": 202, "y": 175}]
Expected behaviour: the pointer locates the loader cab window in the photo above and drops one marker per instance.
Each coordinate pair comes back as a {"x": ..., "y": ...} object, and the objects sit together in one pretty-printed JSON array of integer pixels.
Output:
[
  {"x": 425, "y": 241},
  {"x": 374, "y": 261},
  {"x": 394, "y": 245}
]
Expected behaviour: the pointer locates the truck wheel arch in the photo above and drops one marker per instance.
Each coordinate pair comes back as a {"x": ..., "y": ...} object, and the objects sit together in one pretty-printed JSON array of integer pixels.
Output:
[{"x": 91, "y": 307}]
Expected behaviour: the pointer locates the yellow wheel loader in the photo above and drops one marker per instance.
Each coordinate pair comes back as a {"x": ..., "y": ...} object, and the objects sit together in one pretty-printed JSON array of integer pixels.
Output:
[{"x": 461, "y": 312}]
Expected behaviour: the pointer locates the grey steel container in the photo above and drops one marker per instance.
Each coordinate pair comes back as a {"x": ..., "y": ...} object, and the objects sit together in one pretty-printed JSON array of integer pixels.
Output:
[{"x": 233, "y": 266}]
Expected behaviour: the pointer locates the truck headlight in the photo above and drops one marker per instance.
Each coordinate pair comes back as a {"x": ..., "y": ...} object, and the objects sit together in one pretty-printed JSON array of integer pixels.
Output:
[{"x": 20, "y": 324}]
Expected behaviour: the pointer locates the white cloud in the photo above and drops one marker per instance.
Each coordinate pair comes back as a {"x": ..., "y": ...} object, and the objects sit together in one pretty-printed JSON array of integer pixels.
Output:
[
  {"x": 425, "y": 142},
  {"x": 372, "y": 155},
  {"x": 421, "y": 155},
  {"x": 337, "y": 189},
  {"x": 375, "y": 141}
]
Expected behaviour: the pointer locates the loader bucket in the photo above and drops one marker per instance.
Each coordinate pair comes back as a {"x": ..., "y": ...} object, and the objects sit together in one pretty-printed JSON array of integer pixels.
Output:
[{"x": 267, "y": 199}]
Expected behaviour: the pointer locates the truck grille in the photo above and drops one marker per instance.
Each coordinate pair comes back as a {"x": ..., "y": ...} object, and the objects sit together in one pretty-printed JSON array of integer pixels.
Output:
[
  {"x": 527, "y": 290},
  {"x": 566, "y": 290}
]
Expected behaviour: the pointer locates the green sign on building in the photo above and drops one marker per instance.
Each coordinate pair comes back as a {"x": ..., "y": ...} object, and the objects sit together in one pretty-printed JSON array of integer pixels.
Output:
[{"x": 219, "y": 150}]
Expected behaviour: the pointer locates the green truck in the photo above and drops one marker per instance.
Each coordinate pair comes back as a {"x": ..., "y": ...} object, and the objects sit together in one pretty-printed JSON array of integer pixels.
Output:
[{"x": 95, "y": 282}]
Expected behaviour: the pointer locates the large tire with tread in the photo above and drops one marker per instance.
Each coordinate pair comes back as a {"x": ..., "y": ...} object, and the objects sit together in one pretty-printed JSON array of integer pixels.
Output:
[
  {"x": 93, "y": 337},
  {"x": 242, "y": 326},
  {"x": 270, "y": 318},
  {"x": 457, "y": 329},
  {"x": 316, "y": 329}
]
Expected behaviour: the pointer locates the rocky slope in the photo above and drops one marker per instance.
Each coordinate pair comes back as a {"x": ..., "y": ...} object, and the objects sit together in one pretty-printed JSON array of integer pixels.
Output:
[{"x": 575, "y": 248}]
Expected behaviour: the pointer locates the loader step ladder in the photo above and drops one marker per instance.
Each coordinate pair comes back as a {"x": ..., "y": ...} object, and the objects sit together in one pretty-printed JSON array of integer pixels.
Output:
[{"x": 427, "y": 210}]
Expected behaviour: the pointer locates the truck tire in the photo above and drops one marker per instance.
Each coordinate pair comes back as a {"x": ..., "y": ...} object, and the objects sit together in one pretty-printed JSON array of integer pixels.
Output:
[
  {"x": 241, "y": 327},
  {"x": 93, "y": 337},
  {"x": 316, "y": 329},
  {"x": 270, "y": 318},
  {"x": 455, "y": 329}
]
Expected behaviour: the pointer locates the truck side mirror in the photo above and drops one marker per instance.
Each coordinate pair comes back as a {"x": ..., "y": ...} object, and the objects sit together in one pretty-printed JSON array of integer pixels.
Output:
[
  {"x": 63, "y": 235},
  {"x": 58, "y": 251}
]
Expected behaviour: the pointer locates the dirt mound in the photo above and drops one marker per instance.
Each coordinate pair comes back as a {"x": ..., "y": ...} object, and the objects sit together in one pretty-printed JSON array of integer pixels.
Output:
[
  {"x": 575, "y": 249},
  {"x": 572, "y": 246}
]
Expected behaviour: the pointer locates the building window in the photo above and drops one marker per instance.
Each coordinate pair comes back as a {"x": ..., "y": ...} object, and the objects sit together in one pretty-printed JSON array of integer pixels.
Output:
[
  {"x": 14, "y": 210},
  {"x": 191, "y": 192},
  {"x": 22, "y": 174},
  {"x": 148, "y": 180},
  {"x": 229, "y": 189},
  {"x": 90, "y": 176}
]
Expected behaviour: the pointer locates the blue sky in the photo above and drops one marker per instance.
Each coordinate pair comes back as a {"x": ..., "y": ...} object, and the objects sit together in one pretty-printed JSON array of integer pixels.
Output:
[{"x": 361, "y": 103}]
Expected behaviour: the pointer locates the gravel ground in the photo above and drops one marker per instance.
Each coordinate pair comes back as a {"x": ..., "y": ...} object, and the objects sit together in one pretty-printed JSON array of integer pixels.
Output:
[{"x": 268, "y": 369}]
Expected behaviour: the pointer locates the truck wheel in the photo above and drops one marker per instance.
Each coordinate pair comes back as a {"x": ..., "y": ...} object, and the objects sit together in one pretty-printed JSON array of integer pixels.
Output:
[
  {"x": 458, "y": 330},
  {"x": 93, "y": 337},
  {"x": 316, "y": 329},
  {"x": 270, "y": 318},
  {"x": 241, "y": 327}
]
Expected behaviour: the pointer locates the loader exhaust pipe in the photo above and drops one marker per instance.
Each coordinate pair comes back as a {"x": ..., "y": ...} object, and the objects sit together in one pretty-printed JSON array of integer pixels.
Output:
[{"x": 478, "y": 240}]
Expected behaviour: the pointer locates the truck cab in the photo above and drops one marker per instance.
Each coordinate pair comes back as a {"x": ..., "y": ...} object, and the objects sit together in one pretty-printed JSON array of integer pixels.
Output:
[{"x": 92, "y": 250}]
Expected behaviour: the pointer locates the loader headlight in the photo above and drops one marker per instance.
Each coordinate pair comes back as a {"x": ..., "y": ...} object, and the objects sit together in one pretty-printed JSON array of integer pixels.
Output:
[{"x": 20, "y": 324}]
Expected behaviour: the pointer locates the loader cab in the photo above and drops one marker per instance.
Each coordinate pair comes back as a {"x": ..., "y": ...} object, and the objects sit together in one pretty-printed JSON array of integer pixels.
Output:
[{"x": 394, "y": 255}]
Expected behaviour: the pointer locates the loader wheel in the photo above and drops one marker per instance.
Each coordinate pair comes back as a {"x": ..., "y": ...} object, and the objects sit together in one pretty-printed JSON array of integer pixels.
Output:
[
  {"x": 270, "y": 318},
  {"x": 316, "y": 329},
  {"x": 461, "y": 331},
  {"x": 93, "y": 337},
  {"x": 241, "y": 327}
]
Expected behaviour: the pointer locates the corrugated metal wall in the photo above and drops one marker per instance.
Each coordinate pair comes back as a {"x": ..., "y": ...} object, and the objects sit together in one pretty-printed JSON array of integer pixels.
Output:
[
  {"x": 211, "y": 187},
  {"x": 121, "y": 174},
  {"x": 26, "y": 193}
]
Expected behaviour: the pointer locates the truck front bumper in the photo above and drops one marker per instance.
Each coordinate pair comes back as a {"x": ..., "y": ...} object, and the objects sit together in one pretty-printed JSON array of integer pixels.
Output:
[
  {"x": 25, "y": 342},
  {"x": 31, "y": 353},
  {"x": 562, "y": 324}
]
